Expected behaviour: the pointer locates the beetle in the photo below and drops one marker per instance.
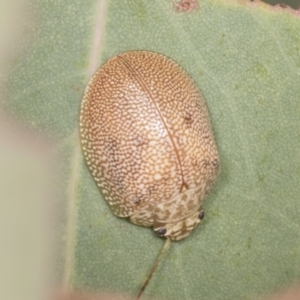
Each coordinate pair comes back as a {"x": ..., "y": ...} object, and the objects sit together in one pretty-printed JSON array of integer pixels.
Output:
[{"x": 147, "y": 139}]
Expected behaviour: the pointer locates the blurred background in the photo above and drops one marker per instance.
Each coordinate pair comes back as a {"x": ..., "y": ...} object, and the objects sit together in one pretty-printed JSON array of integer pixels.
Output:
[{"x": 292, "y": 3}]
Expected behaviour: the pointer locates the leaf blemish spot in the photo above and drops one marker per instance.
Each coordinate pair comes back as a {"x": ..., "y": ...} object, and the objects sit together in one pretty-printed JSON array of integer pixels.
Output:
[{"x": 186, "y": 5}]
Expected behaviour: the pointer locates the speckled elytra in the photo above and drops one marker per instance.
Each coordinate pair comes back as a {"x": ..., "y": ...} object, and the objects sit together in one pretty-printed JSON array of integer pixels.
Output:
[{"x": 148, "y": 142}]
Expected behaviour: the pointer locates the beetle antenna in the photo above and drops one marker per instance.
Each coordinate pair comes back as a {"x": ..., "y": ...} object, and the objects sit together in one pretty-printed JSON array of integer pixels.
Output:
[{"x": 159, "y": 257}]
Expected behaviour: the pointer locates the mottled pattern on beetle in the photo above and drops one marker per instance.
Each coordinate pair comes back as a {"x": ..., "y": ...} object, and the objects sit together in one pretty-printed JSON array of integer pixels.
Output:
[
  {"x": 179, "y": 207},
  {"x": 173, "y": 210},
  {"x": 146, "y": 137},
  {"x": 180, "y": 229}
]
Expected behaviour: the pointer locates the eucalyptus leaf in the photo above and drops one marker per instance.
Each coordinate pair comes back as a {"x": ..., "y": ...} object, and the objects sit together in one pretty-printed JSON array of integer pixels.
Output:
[{"x": 245, "y": 58}]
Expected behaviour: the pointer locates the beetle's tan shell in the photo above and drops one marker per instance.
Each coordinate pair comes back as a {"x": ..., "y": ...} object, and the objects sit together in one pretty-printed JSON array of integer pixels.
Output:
[{"x": 148, "y": 141}]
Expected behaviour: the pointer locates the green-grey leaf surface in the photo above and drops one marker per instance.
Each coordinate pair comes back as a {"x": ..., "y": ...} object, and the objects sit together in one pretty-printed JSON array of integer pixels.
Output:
[{"x": 245, "y": 58}]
